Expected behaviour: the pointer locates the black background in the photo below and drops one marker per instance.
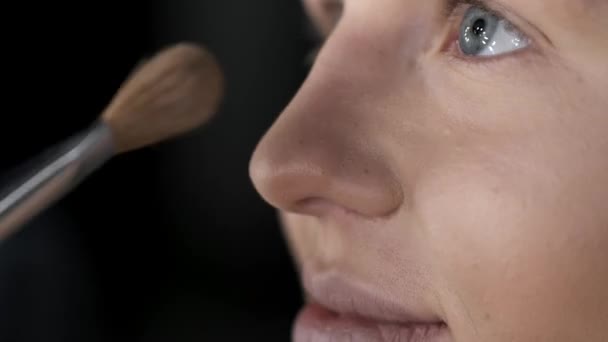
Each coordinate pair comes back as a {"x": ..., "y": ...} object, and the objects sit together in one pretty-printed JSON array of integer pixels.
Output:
[{"x": 168, "y": 243}]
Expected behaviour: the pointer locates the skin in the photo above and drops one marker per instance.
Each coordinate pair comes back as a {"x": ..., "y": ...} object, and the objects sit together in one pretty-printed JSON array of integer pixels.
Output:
[{"x": 474, "y": 190}]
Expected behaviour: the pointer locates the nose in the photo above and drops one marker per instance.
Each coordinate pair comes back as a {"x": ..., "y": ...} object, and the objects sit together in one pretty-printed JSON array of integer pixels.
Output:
[{"x": 324, "y": 153}]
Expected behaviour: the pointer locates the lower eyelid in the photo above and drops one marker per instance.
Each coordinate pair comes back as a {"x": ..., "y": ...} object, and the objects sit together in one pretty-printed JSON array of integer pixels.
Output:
[
  {"x": 451, "y": 44},
  {"x": 487, "y": 69}
]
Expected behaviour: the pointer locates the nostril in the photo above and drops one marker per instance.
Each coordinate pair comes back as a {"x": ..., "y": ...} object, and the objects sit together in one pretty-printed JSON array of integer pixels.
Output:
[
  {"x": 316, "y": 177},
  {"x": 315, "y": 206},
  {"x": 315, "y": 166},
  {"x": 300, "y": 186},
  {"x": 320, "y": 207}
]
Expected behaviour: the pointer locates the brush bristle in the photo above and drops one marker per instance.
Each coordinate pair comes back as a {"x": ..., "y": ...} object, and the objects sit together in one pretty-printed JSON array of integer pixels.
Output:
[{"x": 176, "y": 91}]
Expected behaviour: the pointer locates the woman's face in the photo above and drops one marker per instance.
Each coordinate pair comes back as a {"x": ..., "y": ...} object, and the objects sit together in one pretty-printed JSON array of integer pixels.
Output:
[{"x": 442, "y": 174}]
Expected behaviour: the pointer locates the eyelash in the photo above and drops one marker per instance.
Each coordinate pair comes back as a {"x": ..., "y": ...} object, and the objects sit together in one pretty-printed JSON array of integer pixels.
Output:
[{"x": 454, "y": 11}]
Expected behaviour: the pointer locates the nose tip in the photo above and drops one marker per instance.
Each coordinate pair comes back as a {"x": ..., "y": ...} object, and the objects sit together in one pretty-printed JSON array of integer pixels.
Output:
[
  {"x": 318, "y": 177},
  {"x": 329, "y": 149}
]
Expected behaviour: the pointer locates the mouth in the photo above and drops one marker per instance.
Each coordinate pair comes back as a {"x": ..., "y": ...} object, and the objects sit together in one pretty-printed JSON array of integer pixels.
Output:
[{"x": 341, "y": 311}]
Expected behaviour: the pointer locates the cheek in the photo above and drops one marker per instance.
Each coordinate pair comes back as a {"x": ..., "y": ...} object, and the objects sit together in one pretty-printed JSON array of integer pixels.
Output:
[
  {"x": 516, "y": 242},
  {"x": 518, "y": 217}
]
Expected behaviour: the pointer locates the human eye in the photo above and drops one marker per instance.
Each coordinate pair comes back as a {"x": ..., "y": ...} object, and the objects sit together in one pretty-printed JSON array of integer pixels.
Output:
[{"x": 484, "y": 33}]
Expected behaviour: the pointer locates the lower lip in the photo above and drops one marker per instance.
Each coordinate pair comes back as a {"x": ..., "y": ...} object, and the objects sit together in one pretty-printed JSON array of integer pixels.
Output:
[{"x": 317, "y": 324}]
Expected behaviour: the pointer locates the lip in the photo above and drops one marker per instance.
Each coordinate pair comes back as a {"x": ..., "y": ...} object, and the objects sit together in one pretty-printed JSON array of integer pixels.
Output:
[
  {"x": 339, "y": 310},
  {"x": 317, "y": 324}
]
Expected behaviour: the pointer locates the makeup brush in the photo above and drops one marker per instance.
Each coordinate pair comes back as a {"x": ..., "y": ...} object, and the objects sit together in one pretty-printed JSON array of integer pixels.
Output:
[{"x": 174, "y": 92}]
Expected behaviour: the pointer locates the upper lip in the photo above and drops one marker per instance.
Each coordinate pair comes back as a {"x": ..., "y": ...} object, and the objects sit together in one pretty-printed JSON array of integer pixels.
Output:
[{"x": 337, "y": 293}]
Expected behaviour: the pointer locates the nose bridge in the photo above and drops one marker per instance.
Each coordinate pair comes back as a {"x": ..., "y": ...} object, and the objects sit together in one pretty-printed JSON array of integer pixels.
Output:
[{"x": 322, "y": 149}]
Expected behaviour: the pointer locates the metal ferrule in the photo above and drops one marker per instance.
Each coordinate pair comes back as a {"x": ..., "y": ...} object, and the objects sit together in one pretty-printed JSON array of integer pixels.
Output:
[{"x": 52, "y": 175}]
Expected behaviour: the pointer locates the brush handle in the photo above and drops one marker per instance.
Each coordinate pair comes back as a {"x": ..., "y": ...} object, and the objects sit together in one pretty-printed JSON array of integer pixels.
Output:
[{"x": 52, "y": 175}]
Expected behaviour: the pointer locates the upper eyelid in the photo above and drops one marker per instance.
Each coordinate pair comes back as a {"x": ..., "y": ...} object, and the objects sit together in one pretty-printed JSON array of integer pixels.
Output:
[
  {"x": 457, "y": 8},
  {"x": 501, "y": 10},
  {"x": 453, "y": 10},
  {"x": 491, "y": 5}
]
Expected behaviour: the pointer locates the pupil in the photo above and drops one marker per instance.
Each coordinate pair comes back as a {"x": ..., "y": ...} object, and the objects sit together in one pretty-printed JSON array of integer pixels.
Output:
[{"x": 479, "y": 26}]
